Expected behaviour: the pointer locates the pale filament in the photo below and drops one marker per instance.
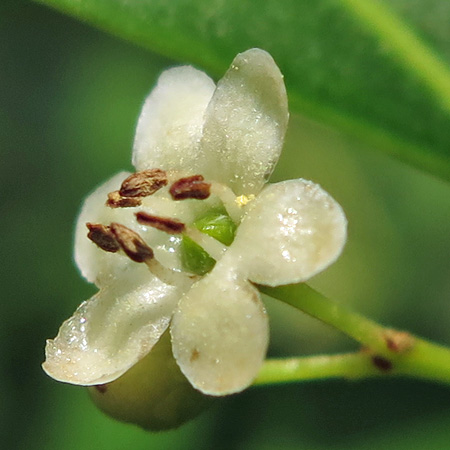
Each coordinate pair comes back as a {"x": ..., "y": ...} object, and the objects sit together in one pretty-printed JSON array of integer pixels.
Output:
[
  {"x": 212, "y": 246},
  {"x": 228, "y": 199},
  {"x": 168, "y": 276}
]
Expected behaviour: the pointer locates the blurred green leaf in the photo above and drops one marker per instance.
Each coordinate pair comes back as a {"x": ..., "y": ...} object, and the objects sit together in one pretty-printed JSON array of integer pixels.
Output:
[{"x": 375, "y": 71}]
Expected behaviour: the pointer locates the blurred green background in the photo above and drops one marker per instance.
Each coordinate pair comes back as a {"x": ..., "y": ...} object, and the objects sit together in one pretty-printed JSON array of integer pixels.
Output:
[{"x": 69, "y": 101}]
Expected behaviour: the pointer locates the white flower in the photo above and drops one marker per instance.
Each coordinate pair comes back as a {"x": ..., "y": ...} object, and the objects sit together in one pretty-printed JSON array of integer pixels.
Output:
[{"x": 287, "y": 232}]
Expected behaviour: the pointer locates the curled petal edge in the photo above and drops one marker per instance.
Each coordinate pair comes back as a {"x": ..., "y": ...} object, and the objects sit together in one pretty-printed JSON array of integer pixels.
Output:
[{"x": 112, "y": 331}]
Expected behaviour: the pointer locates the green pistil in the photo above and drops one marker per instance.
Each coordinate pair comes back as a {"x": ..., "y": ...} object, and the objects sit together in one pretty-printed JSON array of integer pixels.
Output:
[
  {"x": 194, "y": 258},
  {"x": 217, "y": 225}
]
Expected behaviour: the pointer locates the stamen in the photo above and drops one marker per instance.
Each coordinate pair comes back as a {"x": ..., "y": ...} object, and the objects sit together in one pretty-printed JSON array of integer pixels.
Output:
[
  {"x": 171, "y": 226},
  {"x": 115, "y": 200},
  {"x": 137, "y": 250},
  {"x": 190, "y": 187},
  {"x": 103, "y": 237},
  {"x": 228, "y": 199},
  {"x": 142, "y": 184},
  {"x": 131, "y": 243},
  {"x": 168, "y": 276}
]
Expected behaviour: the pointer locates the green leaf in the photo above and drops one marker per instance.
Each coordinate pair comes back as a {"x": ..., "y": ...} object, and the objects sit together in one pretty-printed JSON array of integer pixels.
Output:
[{"x": 378, "y": 70}]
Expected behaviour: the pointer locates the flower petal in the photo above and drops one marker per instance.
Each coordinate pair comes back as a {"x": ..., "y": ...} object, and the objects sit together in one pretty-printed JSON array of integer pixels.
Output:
[
  {"x": 112, "y": 331},
  {"x": 96, "y": 264},
  {"x": 292, "y": 231},
  {"x": 171, "y": 121},
  {"x": 220, "y": 333},
  {"x": 245, "y": 123}
]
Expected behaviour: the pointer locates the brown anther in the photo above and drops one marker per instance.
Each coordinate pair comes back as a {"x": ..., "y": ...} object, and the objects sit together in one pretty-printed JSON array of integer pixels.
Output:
[
  {"x": 190, "y": 187},
  {"x": 381, "y": 363},
  {"x": 131, "y": 243},
  {"x": 115, "y": 200},
  {"x": 103, "y": 237},
  {"x": 171, "y": 226},
  {"x": 142, "y": 184}
]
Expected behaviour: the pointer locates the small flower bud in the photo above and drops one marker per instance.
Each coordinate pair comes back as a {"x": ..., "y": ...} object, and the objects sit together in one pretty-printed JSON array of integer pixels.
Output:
[{"x": 153, "y": 394}]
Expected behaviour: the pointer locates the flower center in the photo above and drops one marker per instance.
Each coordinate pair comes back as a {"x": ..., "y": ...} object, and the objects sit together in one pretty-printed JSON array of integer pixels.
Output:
[{"x": 202, "y": 242}]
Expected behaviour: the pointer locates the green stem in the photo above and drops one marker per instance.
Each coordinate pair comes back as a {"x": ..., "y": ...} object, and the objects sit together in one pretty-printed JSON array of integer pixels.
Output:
[
  {"x": 306, "y": 299},
  {"x": 387, "y": 351},
  {"x": 349, "y": 365}
]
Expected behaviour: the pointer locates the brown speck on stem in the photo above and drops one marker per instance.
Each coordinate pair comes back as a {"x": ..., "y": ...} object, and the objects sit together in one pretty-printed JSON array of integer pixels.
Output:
[
  {"x": 142, "y": 184},
  {"x": 131, "y": 243},
  {"x": 383, "y": 364},
  {"x": 166, "y": 224},
  {"x": 103, "y": 237},
  {"x": 115, "y": 200},
  {"x": 190, "y": 187},
  {"x": 398, "y": 341}
]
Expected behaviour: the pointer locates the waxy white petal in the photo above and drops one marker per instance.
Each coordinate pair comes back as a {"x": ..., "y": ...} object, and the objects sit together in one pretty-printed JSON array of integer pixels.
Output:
[
  {"x": 293, "y": 230},
  {"x": 112, "y": 331},
  {"x": 96, "y": 264},
  {"x": 220, "y": 333},
  {"x": 245, "y": 123},
  {"x": 170, "y": 125}
]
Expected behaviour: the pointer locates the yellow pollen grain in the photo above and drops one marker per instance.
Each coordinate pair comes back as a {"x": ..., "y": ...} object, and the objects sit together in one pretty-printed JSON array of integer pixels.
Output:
[{"x": 242, "y": 200}]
